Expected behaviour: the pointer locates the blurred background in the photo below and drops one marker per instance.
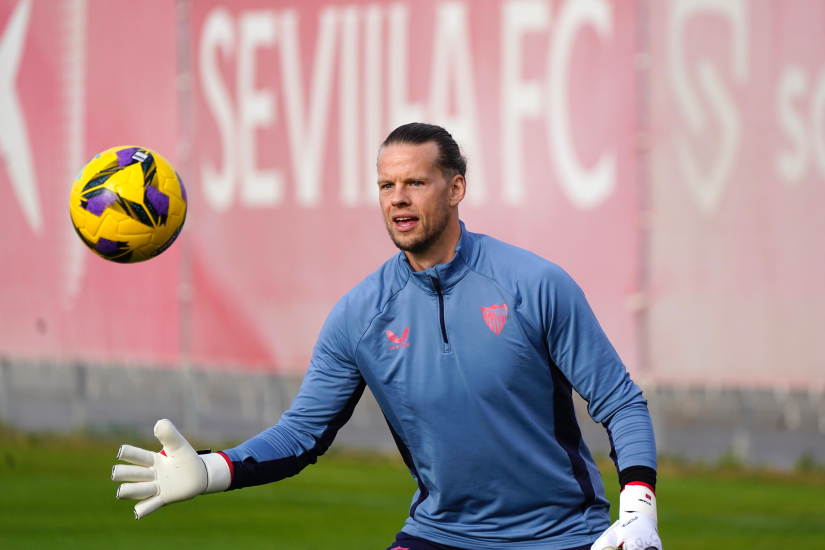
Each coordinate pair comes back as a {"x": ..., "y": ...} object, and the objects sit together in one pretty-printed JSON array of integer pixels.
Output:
[{"x": 670, "y": 155}]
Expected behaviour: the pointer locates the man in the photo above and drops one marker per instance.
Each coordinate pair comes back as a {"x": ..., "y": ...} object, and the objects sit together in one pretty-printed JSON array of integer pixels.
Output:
[{"x": 472, "y": 348}]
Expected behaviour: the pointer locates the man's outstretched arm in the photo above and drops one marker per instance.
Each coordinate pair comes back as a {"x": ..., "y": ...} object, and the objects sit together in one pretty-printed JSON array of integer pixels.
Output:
[
  {"x": 328, "y": 395},
  {"x": 323, "y": 405},
  {"x": 327, "y": 398}
]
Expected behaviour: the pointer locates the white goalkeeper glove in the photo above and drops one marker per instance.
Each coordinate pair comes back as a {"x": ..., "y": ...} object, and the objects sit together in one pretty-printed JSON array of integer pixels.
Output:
[
  {"x": 636, "y": 527},
  {"x": 177, "y": 473}
]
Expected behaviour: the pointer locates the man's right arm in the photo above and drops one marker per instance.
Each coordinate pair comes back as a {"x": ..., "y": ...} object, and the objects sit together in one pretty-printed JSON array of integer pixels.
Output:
[{"x": 331, "y": 388}]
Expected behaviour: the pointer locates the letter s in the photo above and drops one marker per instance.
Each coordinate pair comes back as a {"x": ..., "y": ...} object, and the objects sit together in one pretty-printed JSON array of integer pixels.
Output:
[{"x": 218, "y": 33}]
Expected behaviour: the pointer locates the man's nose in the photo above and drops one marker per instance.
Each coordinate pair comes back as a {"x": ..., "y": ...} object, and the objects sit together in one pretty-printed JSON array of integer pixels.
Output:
[{"x": 400, "y": 196}]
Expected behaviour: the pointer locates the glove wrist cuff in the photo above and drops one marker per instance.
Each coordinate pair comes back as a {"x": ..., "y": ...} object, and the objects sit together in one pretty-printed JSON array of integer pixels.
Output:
[
  {"x": 218, "y": 475},
  {"x": 638, "y": 498}
]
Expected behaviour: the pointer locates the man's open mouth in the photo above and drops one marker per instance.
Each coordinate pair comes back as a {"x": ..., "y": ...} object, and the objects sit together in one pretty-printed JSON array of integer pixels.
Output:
[{"x": 405, "y": 223}]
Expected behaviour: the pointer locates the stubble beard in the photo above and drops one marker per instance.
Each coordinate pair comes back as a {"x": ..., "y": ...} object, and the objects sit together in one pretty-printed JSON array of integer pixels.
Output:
[{"x": 430, "y": 233}]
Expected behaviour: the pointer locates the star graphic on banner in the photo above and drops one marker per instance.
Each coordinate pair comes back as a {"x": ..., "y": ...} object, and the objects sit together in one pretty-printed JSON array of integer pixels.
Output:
[{"x": 14, "y": 137}]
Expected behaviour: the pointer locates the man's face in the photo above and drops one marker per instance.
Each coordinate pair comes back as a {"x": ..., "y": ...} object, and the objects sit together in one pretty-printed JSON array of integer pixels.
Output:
[{"x": 414, "y": 195}]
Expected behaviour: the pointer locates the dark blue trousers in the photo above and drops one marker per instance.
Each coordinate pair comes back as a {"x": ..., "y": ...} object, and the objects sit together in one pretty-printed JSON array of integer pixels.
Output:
[{"x": 403, "y": 541}]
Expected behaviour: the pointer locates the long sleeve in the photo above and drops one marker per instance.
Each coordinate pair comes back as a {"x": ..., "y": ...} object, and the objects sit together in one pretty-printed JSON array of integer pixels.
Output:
[
  {"x": 582, "y": 352},
  {"x": 328, "y": 395}
]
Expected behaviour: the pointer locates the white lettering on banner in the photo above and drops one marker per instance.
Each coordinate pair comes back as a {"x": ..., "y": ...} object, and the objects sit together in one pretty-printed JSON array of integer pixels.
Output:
[
  {"x": 255, "y": 110},
  {"x": 707, "y": 188},
  {"x": 307, "y": 131},
  {"x": 372, "y": 98},
  {"x": 520, "y": 99},
  {"x": 256, "y": 107},
  {"x": 218, "y": 34},
  {"x": 15, "y": 148},
  {"x": 791, "y": 165},
  {"x": 401, "y": 110},
  {"x": 348, "y": 108},
  {"x": 584, "y": 188},
  {"x": 452, "y": 60},
  {"x": 452, "y": 99}
]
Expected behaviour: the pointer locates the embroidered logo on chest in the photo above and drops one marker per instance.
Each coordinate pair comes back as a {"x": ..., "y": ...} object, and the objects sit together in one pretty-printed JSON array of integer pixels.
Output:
[
  {"x": 399, "y": 341},
  {"x": 495, "y": 317}
]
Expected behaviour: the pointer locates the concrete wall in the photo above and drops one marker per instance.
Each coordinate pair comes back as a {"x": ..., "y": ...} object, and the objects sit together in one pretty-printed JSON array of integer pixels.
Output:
[{"x": 775, "y": 428}]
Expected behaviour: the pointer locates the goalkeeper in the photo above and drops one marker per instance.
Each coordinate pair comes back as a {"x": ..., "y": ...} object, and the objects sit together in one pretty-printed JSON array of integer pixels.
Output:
[{"x": 472, "y": 348}]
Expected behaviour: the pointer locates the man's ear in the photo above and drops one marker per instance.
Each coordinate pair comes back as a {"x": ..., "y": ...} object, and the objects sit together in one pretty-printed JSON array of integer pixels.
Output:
[{"x": 458, "y": 187}]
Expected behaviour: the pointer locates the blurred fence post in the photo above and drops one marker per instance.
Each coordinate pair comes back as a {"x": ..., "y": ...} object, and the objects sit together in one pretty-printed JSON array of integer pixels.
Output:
[
  {"x": 641, "y": 301},
  {"x": 741, "y": 440},
  {"x": 188, "y": 400},
  {"x": 815, "y": 396},
  {"x": 274, "y": 400},
  {"x": 4, "y": 393},
  {"x": 188, "y": 380},
  {"x": 656, "y": 396},
  {"x": 79, "y": 397}
]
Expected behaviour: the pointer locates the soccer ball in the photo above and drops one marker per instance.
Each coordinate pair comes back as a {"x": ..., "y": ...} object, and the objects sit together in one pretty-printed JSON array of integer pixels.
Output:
[{"x": 128, "y": 204}]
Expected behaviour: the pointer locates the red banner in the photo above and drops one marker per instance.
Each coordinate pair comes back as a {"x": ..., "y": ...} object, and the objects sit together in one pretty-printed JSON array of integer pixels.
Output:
[{"x": 577, "y": 117}]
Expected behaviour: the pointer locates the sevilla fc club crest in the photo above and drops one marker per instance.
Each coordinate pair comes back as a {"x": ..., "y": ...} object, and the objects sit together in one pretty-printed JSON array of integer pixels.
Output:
[{"x": 495, "y": 317}]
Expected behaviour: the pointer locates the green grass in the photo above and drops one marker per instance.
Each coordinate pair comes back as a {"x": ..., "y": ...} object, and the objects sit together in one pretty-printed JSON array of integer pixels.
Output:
[{"x": 56, "y": 493}]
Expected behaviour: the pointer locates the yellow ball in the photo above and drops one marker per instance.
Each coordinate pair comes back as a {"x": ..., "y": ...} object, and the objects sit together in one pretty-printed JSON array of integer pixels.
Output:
[{"x": 128, "y": 204}]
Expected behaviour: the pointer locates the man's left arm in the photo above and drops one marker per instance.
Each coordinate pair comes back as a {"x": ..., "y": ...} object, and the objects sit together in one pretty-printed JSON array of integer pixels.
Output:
[{"x": 582, "y": 352}]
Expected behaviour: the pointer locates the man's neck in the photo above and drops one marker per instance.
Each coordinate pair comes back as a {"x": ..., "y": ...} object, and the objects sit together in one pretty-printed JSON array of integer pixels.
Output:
[{"x": 441, "y": 252}]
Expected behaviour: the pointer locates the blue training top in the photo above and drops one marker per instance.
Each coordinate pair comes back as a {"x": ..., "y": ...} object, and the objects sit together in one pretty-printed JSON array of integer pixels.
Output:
[{"x": 472, "y": 363}]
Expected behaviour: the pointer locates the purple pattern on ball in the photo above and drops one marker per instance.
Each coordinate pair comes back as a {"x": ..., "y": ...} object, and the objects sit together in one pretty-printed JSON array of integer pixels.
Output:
[
  {"x": 158, "y": 200},
  {"x": 97, "y": 204},
  {"x": 106, "y": 247},
  {"x": 124, "y": 157}
]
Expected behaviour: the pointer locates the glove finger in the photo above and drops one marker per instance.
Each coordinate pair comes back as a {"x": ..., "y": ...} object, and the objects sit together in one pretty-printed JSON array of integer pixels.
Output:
[
  {"x": 137, "y": 491},
  {"x": 609, "y": 539},
  {"x": 146, "y": 507},
  {"x": 136, "y": 455},
  {"x": 122, "y": 472},
  {"x": 171, "y": 439}
]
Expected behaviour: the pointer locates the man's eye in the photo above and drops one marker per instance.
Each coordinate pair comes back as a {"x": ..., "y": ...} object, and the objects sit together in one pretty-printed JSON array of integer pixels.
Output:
[
  {"x": 386, "y": 186},
  {"x": 417, "y": 183}
]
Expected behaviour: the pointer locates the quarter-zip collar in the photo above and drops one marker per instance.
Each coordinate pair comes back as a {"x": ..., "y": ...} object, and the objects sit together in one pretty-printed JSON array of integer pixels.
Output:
[{"x": 447, "y": 274}]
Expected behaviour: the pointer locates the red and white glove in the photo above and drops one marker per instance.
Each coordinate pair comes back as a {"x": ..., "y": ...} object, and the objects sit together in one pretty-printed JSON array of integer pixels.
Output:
[
  {"x": 636, "y": 528},
  {"x": 176, "y": 473}
]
